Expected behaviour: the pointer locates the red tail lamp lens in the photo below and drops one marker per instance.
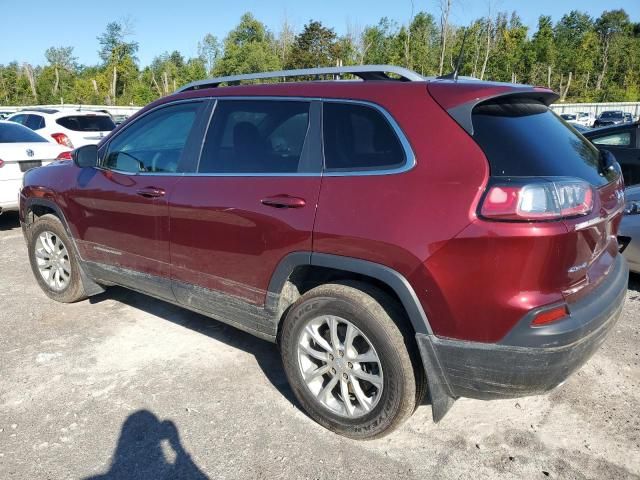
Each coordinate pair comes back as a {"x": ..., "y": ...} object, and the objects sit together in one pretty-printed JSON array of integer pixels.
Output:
[
  {"x": 64, "y": 156},
  {"x": 550, "y": 316},
  {"x": 62, "y": 139}
]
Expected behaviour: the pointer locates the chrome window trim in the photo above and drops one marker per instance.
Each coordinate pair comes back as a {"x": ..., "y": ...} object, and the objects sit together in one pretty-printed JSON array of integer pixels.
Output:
[{"x": 410, "y": 158}]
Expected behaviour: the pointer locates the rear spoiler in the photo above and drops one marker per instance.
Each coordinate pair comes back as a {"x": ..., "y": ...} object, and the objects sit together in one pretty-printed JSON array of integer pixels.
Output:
[{"x": 461, "y": 112}]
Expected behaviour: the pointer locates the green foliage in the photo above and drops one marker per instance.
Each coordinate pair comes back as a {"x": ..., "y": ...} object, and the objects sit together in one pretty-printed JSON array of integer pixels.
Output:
[
  {"x": 315, "y": 46},
  {"x": 600, "y": 55}
]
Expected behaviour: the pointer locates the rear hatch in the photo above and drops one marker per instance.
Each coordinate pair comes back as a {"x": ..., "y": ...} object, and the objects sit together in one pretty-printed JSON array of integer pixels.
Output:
[
  {"x": 530, "y": 149},
  {"x": 87, "y": 128}
]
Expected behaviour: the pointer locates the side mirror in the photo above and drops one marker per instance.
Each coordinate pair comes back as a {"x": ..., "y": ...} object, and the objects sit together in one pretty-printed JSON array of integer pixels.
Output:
[{"x": 86, "y": 156}]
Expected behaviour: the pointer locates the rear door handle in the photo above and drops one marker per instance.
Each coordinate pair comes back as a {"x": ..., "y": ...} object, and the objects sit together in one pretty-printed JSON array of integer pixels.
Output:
[
  {"x": 283, "y": 201},
  {"x": 151, "y": 192}
]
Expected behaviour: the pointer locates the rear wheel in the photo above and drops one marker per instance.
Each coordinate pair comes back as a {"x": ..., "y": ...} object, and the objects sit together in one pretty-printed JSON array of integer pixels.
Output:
[
  {"x": 53, "y": 260},
  {"x": 347, "y": 361}
]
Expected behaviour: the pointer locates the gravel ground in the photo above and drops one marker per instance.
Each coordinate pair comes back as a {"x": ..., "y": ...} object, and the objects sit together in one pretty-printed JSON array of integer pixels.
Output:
[{"x": 125, "y": 386}]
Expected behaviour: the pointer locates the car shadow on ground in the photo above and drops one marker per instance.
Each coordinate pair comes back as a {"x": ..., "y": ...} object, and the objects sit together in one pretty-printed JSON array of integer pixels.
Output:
[
  {"x": 634, "y": 282},
  {"x": 9, "y": 221},
  {"x": 150, "y": 448},
  {"x": 265, "y": 353}
]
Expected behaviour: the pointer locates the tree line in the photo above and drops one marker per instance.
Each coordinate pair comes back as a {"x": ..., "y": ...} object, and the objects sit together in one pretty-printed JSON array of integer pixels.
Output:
[{"x": 584, "y": 59}]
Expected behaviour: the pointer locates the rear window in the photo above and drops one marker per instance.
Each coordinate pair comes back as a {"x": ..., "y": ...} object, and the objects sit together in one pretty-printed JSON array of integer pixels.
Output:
[
  {"x": 525, "y": 138},
  {"x": 16, "y": 133},
  {"x": 611, "y": 115},
  {"x": 87, "y": 123}
]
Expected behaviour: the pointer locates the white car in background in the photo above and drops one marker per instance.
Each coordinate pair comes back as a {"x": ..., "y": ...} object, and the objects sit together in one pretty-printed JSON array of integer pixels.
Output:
[
  {"x": 586, "y": 119},
  {"x": 20, "y": 150},
  {"x": 71, "y": 128}
]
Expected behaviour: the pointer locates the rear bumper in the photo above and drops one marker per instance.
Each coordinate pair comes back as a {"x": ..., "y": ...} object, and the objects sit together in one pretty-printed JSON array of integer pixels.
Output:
[{"x": 527, "y": 361}]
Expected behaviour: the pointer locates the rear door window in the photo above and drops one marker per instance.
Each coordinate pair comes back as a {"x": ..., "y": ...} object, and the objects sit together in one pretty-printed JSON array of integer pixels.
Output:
[
  {"x": 359, "y": 137},
  {"x": 524, "y": 138},
  {"x": 34, "y": 122},
  {"x": 87, "y": 123},
  {"x": 255, "y": 136}
]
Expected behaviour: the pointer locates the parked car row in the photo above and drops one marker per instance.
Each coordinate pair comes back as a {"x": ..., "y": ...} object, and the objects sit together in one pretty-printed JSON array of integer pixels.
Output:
[{"x": 589, "y": 120}]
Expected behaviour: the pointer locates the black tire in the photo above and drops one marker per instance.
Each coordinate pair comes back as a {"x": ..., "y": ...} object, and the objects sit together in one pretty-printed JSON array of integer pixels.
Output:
[
  {"x": 74, "y": 290},
  {"x": 371, "y": 311}
]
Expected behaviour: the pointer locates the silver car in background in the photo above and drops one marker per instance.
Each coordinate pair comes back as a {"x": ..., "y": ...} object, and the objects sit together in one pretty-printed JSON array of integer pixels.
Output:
[{"x": 629, "y": 233}]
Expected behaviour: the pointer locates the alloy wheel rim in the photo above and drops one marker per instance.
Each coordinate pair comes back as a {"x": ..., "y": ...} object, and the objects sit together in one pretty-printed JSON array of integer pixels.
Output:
[
  {"x": 340, "y": 366},
  {"x": 52, "y": 259}
]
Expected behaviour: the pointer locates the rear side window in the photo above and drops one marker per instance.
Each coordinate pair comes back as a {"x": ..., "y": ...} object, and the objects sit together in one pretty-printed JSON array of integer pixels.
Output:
[
  {"x": 15, "y": 133},
  {"x": 524, "y": 139},
  {"x": 359, "y": 137},
  {"x": 620, "y": 139},
  {"x": 87, "y": 123},
  {"x": 34, "y": 122},
  {"x": 255, "y": 136}
]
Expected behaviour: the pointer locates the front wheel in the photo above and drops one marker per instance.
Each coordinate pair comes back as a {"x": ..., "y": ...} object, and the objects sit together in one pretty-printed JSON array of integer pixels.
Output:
[
  {"x": 53, "y": 260},
  {"x": 347, "y": 361}
]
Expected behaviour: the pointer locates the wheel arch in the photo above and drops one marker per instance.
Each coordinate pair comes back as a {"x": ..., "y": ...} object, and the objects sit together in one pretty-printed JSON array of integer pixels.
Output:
[
  {"x": 36, "y": 207},
  {"x": 300, "y": 271}
]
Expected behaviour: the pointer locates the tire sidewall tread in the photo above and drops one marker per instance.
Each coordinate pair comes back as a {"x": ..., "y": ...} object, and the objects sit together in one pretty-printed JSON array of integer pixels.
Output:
[
  {"x": 74, "y": 291},
  {"x": 362, "y": 308}
]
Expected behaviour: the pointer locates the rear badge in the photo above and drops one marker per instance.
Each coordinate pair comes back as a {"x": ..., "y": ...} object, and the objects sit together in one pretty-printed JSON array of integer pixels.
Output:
[{"x": 30, "y": 152}]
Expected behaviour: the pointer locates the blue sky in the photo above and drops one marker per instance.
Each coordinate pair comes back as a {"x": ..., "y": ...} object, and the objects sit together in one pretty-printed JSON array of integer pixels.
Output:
[{"x": 28, "y": 28}]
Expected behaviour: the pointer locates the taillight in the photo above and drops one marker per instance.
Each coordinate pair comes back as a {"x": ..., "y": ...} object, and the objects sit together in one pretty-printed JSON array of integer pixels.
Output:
[
  {"x": 1, "y": 163},
  {"x": 549, "y": 316},
  {"x": 537, "y": 199},
  {"x": 64, "y": 156},
  {"x": 62, "y": 139}
]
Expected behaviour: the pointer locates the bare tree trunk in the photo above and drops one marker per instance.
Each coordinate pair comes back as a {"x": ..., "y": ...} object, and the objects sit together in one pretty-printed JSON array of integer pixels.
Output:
[
  {"x": 561, "y": 79},
  {"x": 488, "y": 49},
  {"x": 586, "y": 82},
  {"x": 113, "y": 85},
  {"x": 407, "y": 41},
  {"x": 605, "y": 61},
  {"x": 95, "y": 85},
  {"x": 32, "y": 81},
  {"x": 155, "y": 83},
  {"x": 476, "y": 56},
  {"x": 165, "y": 82},
  {"x": 563, "y": 96},
  {"x": 445, "y": 8},
  {"x": 549, "y": 76},
  {"x": 57, "y": 82}
]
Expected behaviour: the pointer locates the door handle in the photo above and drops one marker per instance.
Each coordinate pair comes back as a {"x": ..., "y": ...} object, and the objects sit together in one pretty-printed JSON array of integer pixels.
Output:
[
  {"x": 283, "y": 201},
  {"x": 151, "y": 192}
]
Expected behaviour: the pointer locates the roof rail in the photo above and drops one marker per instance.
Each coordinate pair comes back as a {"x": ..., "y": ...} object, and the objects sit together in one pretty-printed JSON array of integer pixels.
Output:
[{"x": 365, "y": 72}]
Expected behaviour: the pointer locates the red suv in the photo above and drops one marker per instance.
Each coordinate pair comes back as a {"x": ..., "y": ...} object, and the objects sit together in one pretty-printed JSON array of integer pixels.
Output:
[{"x": 394, "y": 235}]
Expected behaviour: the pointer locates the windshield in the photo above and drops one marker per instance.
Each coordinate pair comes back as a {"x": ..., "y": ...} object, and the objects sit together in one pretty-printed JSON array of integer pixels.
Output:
[
  {"x": 15, "y": 133},
  {"x": 523, "y": 138},
  {"x": 87, "y": 123},
  {"x": 611, "y": 115}
]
